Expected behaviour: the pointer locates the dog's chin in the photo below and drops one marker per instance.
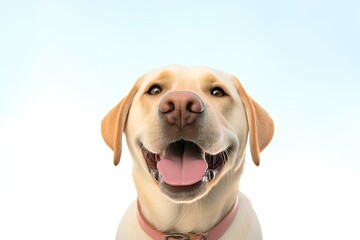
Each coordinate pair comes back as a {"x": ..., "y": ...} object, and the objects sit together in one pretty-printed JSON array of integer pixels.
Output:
[
  {"x": 184, "y": 194},
  {"x": 189, "y": 192}
]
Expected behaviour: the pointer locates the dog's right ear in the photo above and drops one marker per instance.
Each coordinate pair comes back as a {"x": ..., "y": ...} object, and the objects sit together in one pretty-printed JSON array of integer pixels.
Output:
[{"x": 113, "y": 124}]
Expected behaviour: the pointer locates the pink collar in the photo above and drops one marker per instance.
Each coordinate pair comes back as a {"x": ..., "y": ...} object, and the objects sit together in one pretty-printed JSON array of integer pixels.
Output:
[{"x": 213, "y": 234}]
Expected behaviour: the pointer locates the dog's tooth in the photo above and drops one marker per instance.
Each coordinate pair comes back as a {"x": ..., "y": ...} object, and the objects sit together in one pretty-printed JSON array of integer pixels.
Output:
[
  {"x": 160, "y": 178},
  {"x": 205, "y": 178},
  {"x": 210, "y": 174},
  {"x": 155, "y": 174}
]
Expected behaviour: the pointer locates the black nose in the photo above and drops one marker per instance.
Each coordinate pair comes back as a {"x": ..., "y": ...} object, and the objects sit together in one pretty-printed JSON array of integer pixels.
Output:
[{"x": 181, "y": 108}]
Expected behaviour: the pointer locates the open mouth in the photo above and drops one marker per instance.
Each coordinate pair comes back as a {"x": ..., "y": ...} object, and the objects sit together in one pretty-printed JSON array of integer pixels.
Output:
[{"x": 184, "y": 164}]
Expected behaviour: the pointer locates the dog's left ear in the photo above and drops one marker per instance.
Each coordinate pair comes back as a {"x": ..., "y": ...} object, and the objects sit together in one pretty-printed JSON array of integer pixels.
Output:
[
  {"x": 113, "y": 124},
  {"x": 261, "y": 126}
]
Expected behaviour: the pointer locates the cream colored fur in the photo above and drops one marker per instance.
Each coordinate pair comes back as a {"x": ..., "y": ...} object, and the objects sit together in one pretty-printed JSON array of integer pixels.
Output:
[{"x": 229, "y": 121}]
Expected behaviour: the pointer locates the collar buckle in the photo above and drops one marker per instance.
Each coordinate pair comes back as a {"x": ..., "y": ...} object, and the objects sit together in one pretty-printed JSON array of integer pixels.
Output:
[
  {"x": 180, "y": 236},
  {"x": 177, "y": 236}
]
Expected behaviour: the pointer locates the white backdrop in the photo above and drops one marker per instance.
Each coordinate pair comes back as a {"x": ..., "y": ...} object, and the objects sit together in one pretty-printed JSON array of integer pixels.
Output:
[{"x": 64, "y": 64}]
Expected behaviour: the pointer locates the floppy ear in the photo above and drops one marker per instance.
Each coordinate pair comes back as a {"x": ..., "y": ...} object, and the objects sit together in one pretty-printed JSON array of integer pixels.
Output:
[
  {"x": 261, "y": 126},
  {"x": 113, "y": 124}
]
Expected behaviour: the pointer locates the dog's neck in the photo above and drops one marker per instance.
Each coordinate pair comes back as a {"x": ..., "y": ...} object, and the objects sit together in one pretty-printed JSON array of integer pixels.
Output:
[
  {"x": 196, "y": 217},
  {"x": 193, "y": 217},
  {"x": 214, "y": 232}
]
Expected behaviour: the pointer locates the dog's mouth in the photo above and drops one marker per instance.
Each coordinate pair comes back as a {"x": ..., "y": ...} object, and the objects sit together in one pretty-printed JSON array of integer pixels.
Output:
[{"x": 184, "y": 164}]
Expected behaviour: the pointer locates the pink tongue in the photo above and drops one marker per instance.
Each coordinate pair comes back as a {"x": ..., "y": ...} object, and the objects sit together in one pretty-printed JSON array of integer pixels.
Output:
[{"x": 185, "y": 170}]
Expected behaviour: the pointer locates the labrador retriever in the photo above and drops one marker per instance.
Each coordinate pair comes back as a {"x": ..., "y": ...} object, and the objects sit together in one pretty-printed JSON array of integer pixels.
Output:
[{"x": 186, "y": 130}]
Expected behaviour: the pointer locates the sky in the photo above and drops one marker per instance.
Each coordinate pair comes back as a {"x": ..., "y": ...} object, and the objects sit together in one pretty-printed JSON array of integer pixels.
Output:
[{"x": 64, "y": 64}]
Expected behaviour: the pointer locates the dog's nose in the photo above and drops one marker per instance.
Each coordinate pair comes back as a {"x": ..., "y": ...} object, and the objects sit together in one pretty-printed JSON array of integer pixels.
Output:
[{"x": 181, "y": 108}]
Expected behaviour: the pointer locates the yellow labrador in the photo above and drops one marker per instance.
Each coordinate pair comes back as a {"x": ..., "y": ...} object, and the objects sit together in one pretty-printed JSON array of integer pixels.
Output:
[{"x": 186, "y": 129}]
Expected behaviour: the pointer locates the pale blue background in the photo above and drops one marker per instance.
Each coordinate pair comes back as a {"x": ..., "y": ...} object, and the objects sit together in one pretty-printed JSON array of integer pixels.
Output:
[{"x": 64, "y": 64}]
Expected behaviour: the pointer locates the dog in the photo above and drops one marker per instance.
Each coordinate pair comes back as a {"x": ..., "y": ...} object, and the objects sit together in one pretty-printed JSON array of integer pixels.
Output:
[{"x": 187, "y": 131}]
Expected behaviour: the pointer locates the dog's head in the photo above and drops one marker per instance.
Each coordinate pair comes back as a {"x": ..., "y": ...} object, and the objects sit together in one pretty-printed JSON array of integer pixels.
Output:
[{"x": 187, "y": 129}]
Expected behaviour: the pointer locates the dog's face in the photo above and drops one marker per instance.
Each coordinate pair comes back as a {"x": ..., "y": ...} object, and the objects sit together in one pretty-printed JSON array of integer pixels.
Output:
[{"x": 187, "y": 129}]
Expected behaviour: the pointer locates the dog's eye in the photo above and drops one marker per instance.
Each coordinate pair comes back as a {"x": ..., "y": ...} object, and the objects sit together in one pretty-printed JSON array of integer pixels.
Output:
[
  {"x": 218, "y": 92},
  {"x": 154, "y": 90}
]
